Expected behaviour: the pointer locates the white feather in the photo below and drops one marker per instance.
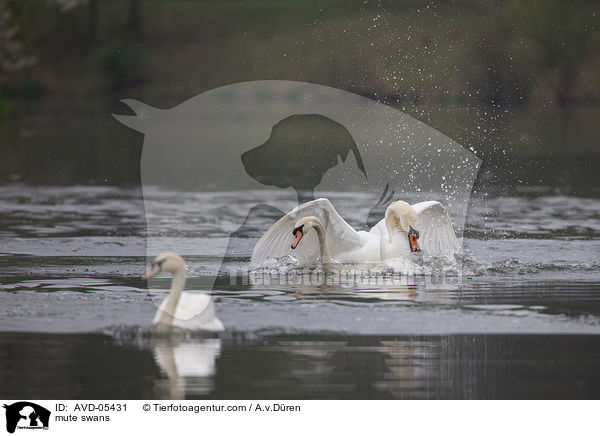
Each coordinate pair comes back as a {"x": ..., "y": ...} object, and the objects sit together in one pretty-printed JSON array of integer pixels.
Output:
[
  {"x": 193, "y": 312},
  {"x": 346, "y": 245},
  {"x": 436, "y": 234}
]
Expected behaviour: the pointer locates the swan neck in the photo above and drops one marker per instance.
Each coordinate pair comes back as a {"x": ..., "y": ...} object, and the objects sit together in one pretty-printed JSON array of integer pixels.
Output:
[
  {"x": 325, "y": 256},
  {"x": 396, "y": 242},
  {"x": 177, "y": 286},
  {"x": 393, "y": 223}
]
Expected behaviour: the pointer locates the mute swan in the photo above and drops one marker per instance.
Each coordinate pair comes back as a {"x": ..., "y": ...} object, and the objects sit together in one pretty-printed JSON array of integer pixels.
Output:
[
  {"x": 334, "y": 240},
  {"x": 179, "y": 309},
  {"x": 354, "y": 247}
]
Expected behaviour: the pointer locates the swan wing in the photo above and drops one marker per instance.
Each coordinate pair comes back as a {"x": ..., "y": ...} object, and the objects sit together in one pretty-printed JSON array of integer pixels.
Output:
[
  {"x": 436, "y": 234},
  {"x": 379, "y": 229},
  {"x": 194, "y": 311},
  {"x": 276, "y": 242}
]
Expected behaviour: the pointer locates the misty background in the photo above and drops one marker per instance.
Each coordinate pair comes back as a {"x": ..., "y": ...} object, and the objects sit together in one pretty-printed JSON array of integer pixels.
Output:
[{"x": 517, "y": 82}]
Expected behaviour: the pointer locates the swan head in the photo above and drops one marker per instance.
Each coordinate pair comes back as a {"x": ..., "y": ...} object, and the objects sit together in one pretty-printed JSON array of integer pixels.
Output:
[
  {"x": 401, "y": 217},
  {"x": 302, "y": 226},
  {"x": 166, "y": 262}
]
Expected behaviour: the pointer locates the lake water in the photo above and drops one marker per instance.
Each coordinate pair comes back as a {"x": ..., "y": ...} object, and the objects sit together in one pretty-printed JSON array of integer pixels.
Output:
[{"x": 515, "y": 315}]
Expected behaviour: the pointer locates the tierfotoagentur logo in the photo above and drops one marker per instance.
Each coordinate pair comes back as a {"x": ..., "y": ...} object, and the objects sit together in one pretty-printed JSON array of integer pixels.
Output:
[
  {"x": 25, "y": 415},
  {"x": 299, "y": 147}
]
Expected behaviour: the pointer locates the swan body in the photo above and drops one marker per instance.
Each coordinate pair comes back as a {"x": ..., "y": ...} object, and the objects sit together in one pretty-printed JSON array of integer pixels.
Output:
[
  {"x": 355, "y": 247},
  {"x": 181, "y": 309},
  {"x": 334, "y": 240}
]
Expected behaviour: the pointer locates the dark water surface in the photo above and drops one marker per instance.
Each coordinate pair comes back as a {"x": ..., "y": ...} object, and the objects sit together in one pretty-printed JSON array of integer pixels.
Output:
[
  {"x": 301, "y": 367},
  {"x": 516, "y": 315}
]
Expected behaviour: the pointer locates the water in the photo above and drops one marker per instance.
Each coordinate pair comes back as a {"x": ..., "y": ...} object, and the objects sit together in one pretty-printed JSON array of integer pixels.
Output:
[{"x": 516, "y": 315}]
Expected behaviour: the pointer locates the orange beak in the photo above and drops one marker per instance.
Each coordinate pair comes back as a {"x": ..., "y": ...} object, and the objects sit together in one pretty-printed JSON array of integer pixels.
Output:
[
  {"x": 412, "y": 239},
  {"x": 297, "y": 237}
]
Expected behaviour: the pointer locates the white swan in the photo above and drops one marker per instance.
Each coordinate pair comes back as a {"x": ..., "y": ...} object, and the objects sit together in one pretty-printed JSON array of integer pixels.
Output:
[
  {"x": 352, "y": 247},
  {"x": 179, "y": 309},
  {"x": 404, "y": 224},
  {"x": 334, "y": 240}
]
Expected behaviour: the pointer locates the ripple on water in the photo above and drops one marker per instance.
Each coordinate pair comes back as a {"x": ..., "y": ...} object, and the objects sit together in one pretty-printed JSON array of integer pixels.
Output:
[{"x": 72, "y": 257}]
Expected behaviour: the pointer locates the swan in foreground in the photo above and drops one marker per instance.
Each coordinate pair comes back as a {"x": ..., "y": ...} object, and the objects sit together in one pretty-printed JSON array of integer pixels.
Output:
[
  {"x": 335, "y": 241},
  {"x": 180, "y": 309}
]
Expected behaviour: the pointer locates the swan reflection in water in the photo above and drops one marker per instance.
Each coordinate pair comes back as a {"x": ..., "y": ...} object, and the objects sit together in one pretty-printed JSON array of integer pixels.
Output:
[
  {"x": 393, "y": 368},
  {"x": 352, "y": 284},
  {"x": 188, "y": 363}
]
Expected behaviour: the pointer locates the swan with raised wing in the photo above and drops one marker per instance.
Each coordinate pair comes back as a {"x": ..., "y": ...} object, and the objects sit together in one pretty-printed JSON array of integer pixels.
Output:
[
  {"x": 335, "y": 241},
  {"x": 181, "y": 309}
]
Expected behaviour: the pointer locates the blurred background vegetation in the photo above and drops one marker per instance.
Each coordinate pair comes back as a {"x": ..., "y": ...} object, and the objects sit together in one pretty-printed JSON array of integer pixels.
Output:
[{"x": 516, "y": 81}]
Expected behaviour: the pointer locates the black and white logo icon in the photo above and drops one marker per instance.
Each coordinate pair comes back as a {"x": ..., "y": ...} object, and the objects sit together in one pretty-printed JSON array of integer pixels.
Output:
[{"x": 26, "y": 415}]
